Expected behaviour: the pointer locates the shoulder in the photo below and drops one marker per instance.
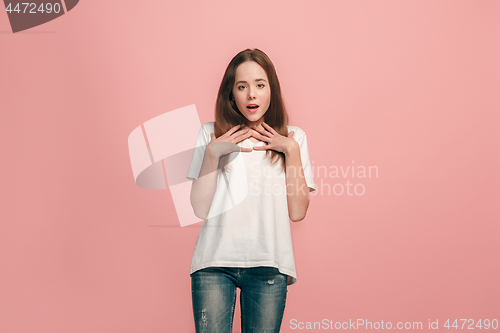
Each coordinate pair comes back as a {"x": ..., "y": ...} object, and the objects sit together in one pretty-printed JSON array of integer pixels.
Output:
[
  {"x": 209, "y": 127},
  {"x": 298, "y": 133},
  {"x": 204, "y": 133}
]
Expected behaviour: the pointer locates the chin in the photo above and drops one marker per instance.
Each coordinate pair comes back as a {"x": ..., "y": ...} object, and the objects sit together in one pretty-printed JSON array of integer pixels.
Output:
[{"x": 254, "y": 117}]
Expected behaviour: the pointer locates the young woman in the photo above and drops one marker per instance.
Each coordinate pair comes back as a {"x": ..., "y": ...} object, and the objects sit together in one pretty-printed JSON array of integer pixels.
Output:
[{"x": 251, "y": 174}]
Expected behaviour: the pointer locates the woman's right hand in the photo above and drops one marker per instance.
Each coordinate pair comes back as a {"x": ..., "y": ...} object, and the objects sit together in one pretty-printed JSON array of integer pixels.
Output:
[{"x": 227, "y": 142}]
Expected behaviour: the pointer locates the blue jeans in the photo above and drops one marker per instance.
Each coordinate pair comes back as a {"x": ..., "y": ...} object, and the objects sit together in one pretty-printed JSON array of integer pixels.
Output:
[{"x": 262, "y": 299}]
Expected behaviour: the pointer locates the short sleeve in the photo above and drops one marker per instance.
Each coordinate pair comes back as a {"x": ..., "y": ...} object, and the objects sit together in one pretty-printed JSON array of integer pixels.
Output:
[
  {"x": 198, "y": 153},
  {"x": 301, "y": 138}
]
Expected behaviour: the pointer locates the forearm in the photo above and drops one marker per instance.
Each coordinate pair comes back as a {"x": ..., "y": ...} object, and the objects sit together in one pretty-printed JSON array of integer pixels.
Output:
[
  {"x": 203, "y": 188},
  {"x": 297, "y": 190}
]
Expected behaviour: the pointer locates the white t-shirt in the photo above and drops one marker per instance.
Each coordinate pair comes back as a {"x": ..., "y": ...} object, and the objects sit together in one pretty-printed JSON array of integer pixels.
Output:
[{"x": 248, "y": 223}]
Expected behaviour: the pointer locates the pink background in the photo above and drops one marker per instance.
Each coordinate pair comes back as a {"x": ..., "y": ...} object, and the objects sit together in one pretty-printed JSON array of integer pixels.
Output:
[{"x": 411, "y": 87}]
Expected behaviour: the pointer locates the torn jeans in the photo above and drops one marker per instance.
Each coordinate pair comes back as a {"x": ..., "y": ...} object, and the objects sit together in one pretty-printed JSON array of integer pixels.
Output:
[{"x": 262, "y": 298}]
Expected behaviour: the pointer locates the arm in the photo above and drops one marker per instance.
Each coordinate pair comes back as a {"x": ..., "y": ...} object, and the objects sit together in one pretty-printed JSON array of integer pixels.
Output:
[
  {"x": 203, "y": 188},
  {"x": 297, "y": 190}
]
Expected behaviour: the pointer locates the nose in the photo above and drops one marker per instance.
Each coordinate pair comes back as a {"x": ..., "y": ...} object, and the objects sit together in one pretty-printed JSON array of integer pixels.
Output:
[{"x": 251, "y": 93}]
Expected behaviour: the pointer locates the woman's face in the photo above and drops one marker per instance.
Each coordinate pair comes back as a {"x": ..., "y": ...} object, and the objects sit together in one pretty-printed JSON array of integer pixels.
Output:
[{"x": 252, "y": 87}]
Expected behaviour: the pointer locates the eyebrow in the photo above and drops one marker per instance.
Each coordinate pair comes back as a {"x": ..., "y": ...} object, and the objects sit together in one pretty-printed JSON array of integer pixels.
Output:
[{"x": 255, "y": 81}]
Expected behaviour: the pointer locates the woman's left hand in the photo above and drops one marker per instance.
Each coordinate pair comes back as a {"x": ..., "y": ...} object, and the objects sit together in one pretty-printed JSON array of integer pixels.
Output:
[{"x": 275, "y": 140}]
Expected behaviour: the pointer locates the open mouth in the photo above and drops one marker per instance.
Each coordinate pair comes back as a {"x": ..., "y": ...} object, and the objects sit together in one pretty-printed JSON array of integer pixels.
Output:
[{"x": 252, "y": 108}]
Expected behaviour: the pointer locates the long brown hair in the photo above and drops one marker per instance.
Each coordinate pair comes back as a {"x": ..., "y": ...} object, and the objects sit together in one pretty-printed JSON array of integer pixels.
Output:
[{"x": 227, "y": 114}]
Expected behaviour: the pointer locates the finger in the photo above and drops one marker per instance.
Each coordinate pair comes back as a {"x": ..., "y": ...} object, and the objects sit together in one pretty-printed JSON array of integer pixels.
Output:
[
  {"x": 290, "y": 135},
  {"x": 231, "y": 131},
  {"x": 261, "y": 137},
  {"x": 238, "y": 133},
  {"x": 237, "y": 149},
  {"x": 262, "y": 147},
  {"x": 241, "y": 137},
  {"x": 212, "y": 136},
  {"x": 269, "y": 128},
  {"x": 262, "y": 131}
]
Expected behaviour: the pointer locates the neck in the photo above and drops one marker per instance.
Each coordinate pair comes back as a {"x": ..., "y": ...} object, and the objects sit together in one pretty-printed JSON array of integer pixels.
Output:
[{"x": 255, "y": 123}]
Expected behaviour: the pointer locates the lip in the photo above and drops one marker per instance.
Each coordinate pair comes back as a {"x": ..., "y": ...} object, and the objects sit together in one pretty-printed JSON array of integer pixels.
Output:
[{"x": 252, "y": 110}]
